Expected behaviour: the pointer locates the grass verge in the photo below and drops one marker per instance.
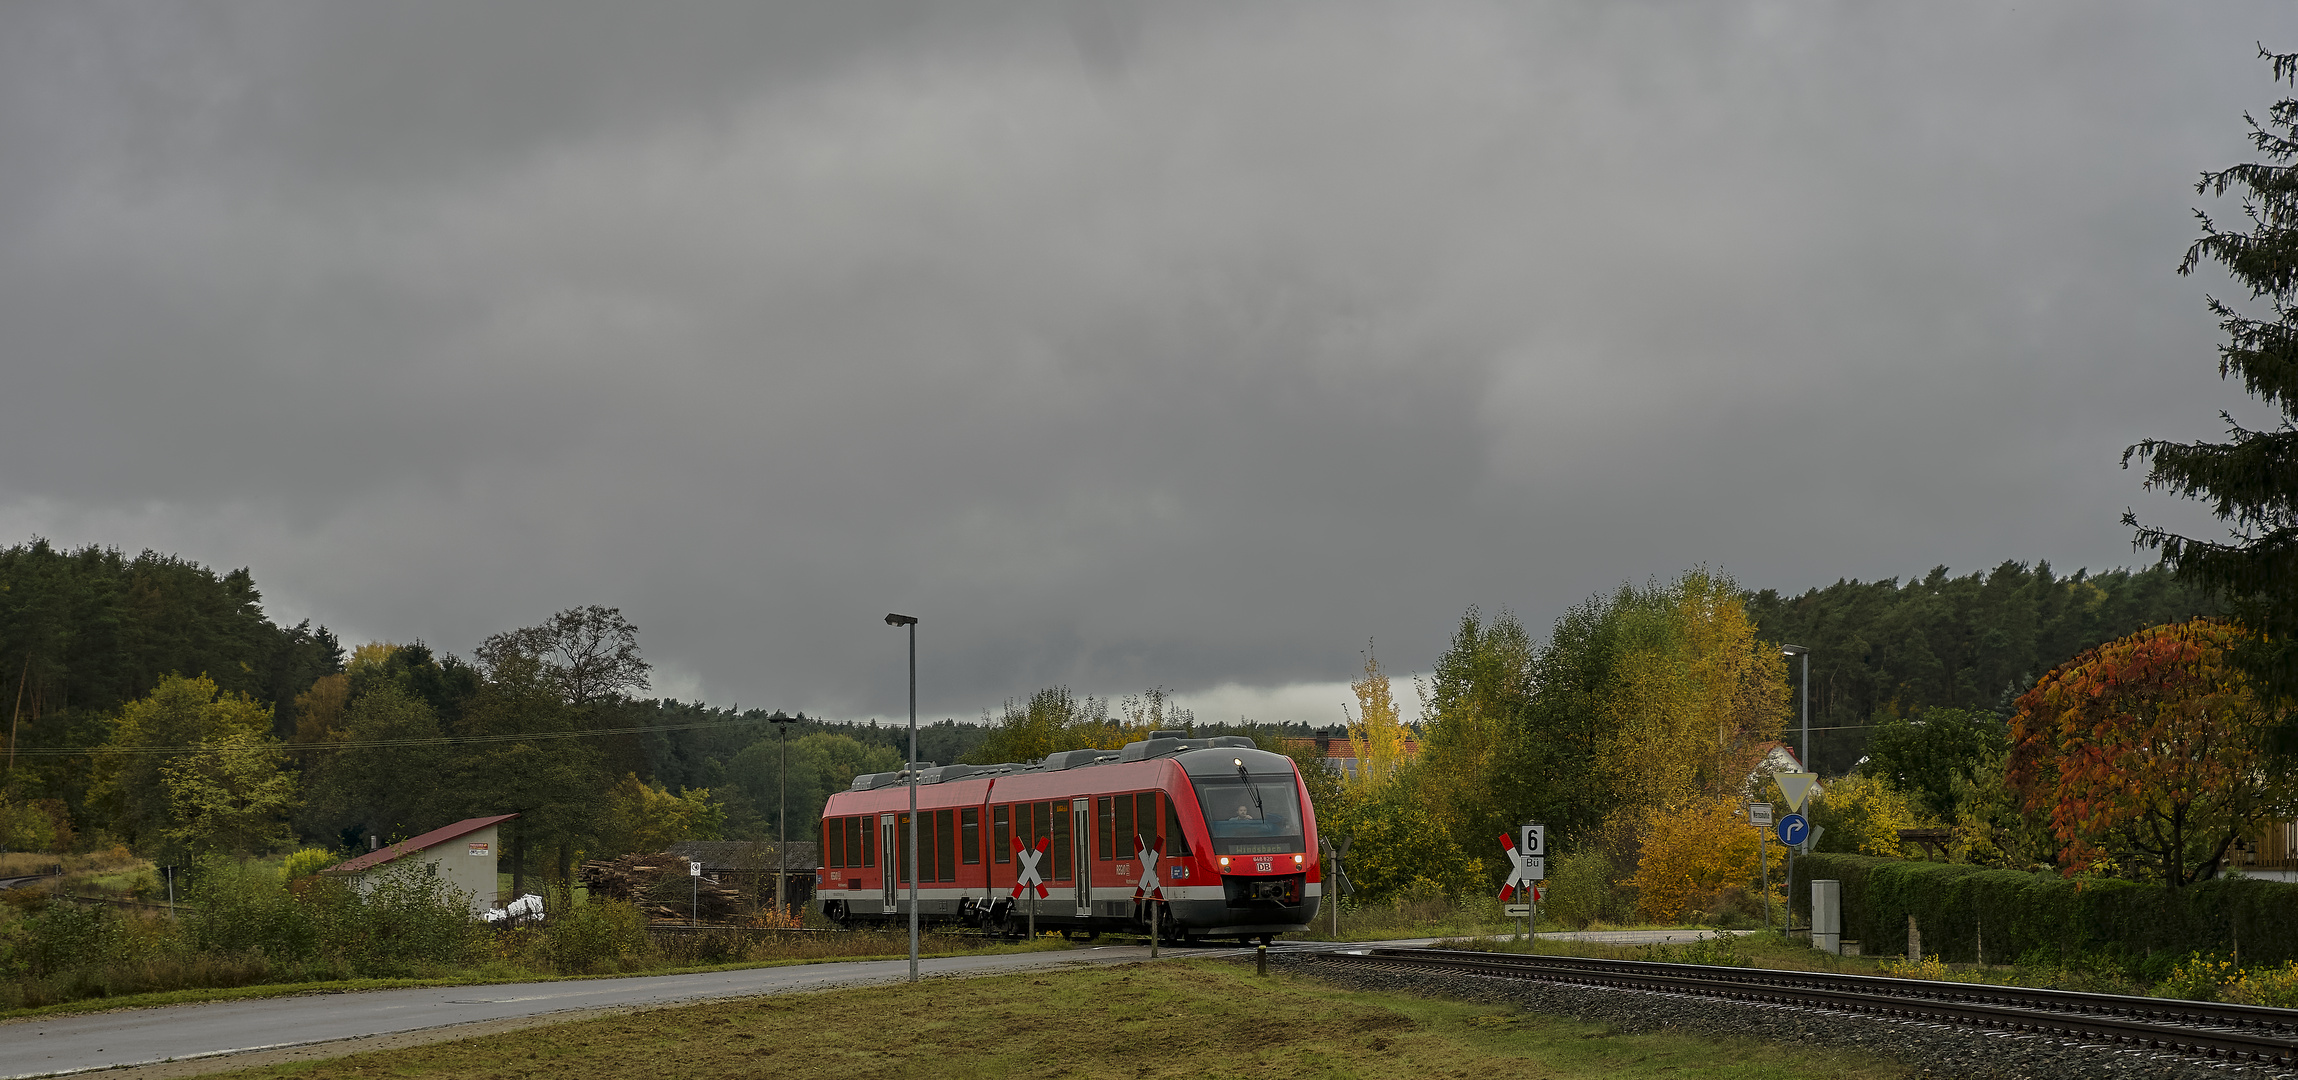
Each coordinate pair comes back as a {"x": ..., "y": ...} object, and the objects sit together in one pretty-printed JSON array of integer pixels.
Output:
[
  {"x": 1138, "y": 1021},
  {"x": 495, "y": 974}
]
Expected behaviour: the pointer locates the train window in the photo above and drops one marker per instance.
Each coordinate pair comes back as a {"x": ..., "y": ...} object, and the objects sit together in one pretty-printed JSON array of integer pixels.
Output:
[
  {"x": 900, "y": 855},
  {"x": 969, "y": 835},
  {"x": 1001, "y": 833},
  {"x": 1060, "y": 824},
  {"x": 1104, "y": 831},
  {"x": 1176, "y": 841},
  {"x": 945, "y": 846},
  {"x": 834, "y": 844},
  {"x": 926, "y": 870},
  {"x": 1145, "y": 804},
  {"x": 862, "y": 836},
  {"x": 1259, "y": 815},
  {"x": 1124, "y": 822}
]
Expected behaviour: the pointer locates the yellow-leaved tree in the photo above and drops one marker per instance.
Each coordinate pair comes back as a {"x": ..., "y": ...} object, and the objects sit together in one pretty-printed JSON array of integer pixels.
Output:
[
  {"x": 1699, "y": 854},
  {"x": 1376, "y": 734},
  {"x": 1694, "y": 696}
]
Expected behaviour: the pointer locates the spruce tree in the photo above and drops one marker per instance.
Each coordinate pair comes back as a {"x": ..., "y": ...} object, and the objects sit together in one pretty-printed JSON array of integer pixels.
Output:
[{"x": 2251, "y": 479}]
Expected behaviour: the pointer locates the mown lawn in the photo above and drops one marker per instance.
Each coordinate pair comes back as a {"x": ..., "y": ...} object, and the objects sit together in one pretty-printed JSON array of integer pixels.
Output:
[{"x": 1195, "y": 1018}]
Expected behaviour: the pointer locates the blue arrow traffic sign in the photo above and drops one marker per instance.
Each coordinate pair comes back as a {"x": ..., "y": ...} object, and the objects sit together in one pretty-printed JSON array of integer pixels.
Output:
[{"x": 1792, "y": 829}]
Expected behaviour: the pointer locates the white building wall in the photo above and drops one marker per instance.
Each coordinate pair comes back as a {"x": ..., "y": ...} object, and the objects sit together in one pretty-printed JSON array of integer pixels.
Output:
[{"x": 467, "y": 863}]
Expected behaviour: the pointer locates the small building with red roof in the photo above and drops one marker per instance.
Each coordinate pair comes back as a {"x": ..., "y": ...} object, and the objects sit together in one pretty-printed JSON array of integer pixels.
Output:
[{"x": 464, "y": 854}]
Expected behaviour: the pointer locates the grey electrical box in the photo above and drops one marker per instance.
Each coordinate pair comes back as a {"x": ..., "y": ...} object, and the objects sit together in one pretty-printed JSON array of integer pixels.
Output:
[{"x": 1827, "y": 916}]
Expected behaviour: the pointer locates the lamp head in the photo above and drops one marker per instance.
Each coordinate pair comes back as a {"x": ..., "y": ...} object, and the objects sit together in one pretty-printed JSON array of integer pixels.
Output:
[
  {"x": 901, "y": 620},
  {"x": 1794, "y": 650}
]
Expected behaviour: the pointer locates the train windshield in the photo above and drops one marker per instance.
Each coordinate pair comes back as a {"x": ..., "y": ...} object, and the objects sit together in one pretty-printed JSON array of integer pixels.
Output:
[{"x": 1252, "y": 815}]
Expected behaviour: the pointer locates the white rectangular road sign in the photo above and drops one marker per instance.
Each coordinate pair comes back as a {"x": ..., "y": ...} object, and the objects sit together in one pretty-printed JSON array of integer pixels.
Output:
[
  {"x": 1536, "y": 867},
  {"x": 1515, "y": 911},
  {"x": 1535, "y": 841},
  {"x": 1759, "y": 813}
]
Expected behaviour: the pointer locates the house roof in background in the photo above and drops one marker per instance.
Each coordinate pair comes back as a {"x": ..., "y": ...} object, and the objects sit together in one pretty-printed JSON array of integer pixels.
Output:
[{"x": 434, "y": 838}]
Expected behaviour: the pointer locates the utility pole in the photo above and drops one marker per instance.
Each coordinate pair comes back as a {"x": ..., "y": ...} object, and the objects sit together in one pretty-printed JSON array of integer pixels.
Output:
[{"x": 911, "y": 767}]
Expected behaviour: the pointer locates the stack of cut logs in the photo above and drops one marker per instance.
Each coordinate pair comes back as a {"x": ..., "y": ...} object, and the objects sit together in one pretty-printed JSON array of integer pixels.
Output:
[{"x": 662, "y": 887}]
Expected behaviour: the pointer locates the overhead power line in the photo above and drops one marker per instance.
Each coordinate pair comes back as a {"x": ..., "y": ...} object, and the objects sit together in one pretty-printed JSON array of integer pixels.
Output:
[{"x": 377, "y": 744}]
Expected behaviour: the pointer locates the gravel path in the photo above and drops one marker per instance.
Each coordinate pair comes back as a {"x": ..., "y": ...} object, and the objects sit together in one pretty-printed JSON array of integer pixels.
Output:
[{"x": 1937, "y": 1052}]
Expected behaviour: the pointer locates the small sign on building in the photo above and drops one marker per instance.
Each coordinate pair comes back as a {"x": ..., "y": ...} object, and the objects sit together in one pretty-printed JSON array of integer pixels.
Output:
[{"x": 482, "y": 850}]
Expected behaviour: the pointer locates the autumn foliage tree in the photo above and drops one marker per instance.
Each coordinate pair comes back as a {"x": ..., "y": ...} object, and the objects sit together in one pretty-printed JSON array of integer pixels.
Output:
[
  {"x": 1697, "y": 854},
  {"x": 2149, "y": 749},
  {"x": 1377, "y": 734}
]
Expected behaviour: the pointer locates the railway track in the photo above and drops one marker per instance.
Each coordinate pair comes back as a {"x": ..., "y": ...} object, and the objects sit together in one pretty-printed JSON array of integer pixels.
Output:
[{"x": 2236, "y": 1034}]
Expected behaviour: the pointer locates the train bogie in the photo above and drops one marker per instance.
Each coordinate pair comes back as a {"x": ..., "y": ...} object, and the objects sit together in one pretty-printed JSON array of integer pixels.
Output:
[{"x": 1217, "y": 835}]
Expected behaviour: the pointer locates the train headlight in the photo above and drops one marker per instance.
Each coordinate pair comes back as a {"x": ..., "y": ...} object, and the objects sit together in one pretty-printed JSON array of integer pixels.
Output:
[
  {"x": 1299, "y": 860},
  {"x": 1224, "y": 862}
]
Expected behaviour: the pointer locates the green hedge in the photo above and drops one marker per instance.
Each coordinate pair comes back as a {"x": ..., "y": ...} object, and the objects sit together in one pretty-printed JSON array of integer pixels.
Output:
[{"x": 2029, "y": 915}]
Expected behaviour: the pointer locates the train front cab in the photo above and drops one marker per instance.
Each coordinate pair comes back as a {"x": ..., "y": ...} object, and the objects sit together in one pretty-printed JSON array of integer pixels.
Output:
[{"x": 1254, "y": 842}]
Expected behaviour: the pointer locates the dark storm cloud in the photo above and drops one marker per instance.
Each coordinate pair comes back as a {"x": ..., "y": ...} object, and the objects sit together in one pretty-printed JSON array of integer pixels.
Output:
[{"x": 1184, "y": 345}]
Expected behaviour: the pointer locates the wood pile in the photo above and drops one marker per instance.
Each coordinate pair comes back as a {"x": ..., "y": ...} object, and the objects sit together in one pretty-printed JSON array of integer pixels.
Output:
[{"x": 662, "y": 887}]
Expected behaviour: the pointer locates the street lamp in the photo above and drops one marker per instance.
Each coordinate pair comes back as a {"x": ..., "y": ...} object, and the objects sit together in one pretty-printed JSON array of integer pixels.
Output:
[
  {"x": 911, "y": 768},
  {"x": 782, "y": 818},
  {"x": 1798, "y": 650}
]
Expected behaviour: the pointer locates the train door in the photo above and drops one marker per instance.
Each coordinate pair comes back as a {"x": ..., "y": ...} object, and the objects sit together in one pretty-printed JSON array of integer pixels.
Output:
[
  {"x": 887, "y": 842},
  {"x": 1081, "y": 853}
]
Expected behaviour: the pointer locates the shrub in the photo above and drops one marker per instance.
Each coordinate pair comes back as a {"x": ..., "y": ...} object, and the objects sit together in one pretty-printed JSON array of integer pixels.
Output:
[
  {"x": 2276, "y": 987},
  {"x": 2197, "y": 978},
  {"x": 1580, "y": 890},
  {"x": 582, "y": 938},
  {"x": 304, "y": 863},
  {"x": 1694, "y": 854},
  {"x": 2049, "y": 920}
]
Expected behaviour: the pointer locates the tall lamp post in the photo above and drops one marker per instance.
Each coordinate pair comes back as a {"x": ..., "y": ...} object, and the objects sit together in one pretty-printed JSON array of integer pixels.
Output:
[
  {"x": 1798, "y": 650},
  {"x": 782, "y": 818},
  {"x": 910, "y": 767}
]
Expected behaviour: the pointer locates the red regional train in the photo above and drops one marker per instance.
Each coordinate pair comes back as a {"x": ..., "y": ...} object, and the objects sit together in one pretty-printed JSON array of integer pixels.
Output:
[{"x": 1234, "y": 824}]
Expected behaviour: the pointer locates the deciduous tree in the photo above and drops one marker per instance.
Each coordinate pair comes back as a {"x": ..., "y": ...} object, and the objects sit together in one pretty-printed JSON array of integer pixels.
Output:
[
  {"x": 154, "y": 732},
  {"x": 1377, "y": 734},
  {"x": 233, "y": 797},
  {"x": 589, "y": 653},
  {"x": 2150, "y": 749}
]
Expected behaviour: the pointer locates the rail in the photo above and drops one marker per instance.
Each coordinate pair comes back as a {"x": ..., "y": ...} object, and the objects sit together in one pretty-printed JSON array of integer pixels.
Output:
[{"x": 2233, "y": 1033}]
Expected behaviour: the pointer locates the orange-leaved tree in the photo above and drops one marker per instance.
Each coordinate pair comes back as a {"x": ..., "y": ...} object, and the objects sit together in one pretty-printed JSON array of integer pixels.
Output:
[{"x": 2149, "y": 749}]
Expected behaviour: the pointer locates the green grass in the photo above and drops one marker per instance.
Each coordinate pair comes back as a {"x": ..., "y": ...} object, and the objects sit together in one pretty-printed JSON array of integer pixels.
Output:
[
  {"x": 500, "y": 972},
  {"x": 1197, "y": 1018}
]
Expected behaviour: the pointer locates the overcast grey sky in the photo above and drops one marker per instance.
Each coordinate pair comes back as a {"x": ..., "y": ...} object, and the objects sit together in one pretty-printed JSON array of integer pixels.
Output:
[{"x": 1125, "y": 345}]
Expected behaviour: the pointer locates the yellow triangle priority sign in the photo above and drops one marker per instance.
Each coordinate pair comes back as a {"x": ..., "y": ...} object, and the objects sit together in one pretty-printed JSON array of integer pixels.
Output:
[{"x": 1795, "y": 787}]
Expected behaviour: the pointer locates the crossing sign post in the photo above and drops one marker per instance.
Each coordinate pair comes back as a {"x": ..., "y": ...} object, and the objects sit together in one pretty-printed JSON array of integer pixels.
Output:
[
  {"x": 1527, "y": 856},
  {"x": 1337, "y": 884},
  {"x": 1146, "y": 889},
  {"x": 1028, "y": 878}
]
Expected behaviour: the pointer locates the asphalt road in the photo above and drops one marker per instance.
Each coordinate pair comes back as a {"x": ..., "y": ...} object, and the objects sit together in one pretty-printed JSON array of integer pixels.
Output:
[{"x": 68, "y": 1044}]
